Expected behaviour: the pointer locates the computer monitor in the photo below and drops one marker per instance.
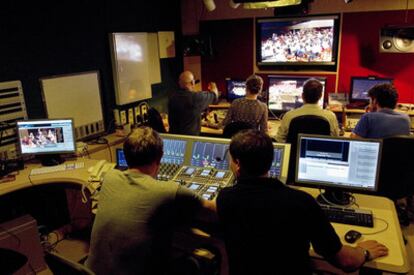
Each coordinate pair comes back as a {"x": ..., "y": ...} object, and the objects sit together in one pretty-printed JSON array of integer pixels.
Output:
[
  {"x": 361, "y": 85},
  {"x": 338, "y": 165},
  {"x": 210, "y": 154},
  {"x": 280, "y": 163},
  {"x": 235, "y": 89},
  {"x": 46, "y": 139},
  {"x": 285, "y": 92}
]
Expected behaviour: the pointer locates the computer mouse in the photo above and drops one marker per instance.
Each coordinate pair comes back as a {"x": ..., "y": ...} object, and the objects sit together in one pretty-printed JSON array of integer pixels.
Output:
[{"x": 352, "y": 236}]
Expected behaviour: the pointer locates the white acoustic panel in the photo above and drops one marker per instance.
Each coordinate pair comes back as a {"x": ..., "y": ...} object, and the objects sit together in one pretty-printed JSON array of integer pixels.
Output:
[
  {"x": 75, "y": 96},
  {"x": 133, "y": 66},
  {"x": 12, "y": 109}
]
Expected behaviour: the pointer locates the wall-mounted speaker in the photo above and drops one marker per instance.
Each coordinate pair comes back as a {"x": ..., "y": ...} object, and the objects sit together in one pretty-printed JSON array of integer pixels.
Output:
[{"x": 397, "y": 39}]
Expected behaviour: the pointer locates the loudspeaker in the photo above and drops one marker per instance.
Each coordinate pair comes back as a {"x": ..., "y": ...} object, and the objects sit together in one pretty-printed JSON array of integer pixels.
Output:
[{"x": 397, "y": 39}]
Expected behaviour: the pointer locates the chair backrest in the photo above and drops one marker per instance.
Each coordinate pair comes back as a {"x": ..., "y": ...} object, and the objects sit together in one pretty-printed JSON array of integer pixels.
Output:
[
  {"x": 234, "y": 127},
  {"x": 396, "y": 170},
  {"x": 306, "y": 124}
]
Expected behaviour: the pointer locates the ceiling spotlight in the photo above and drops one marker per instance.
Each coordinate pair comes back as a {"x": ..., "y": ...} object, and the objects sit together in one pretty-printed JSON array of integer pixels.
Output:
[
  {"x": 347, "y": 1},
  {"x": 210, "y": 5}
]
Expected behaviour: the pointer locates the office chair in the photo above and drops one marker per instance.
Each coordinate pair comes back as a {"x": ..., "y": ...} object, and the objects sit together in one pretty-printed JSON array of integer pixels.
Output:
[
  {"x": 59, "y": 264},
  {"x": 234, "y": 127},
  {"x": 396, "y": 173},
  {"x": 307, "y": 124}
]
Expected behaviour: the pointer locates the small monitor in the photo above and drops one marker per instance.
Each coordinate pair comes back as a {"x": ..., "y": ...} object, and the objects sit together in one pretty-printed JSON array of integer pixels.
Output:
[
  {"x": 210, "y": 154},
  {"x": 174, "y": 151},
  {"x": 235, "y": 89},
  {"x": 361, "y": 85},
  {"x": 121, "y": 162},
  {"x": 46, "y": 138},
  {"x": 338, "y": 165},
  {"x": 280, "y": 163},
  {"x": 285, "y": 92}
]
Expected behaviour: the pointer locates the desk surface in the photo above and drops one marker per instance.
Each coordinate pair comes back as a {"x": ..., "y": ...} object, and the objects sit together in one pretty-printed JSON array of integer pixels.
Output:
[
  {"x": 24, "y": 179},
  {"x": 383, "y": 209}
]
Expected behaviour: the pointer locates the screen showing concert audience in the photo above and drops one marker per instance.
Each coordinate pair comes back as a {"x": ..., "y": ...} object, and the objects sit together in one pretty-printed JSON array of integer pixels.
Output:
[
  {"x": 285, "y": 92},
  {"x": 46, "y": 136},
  {"x": 297, "y": 41}
]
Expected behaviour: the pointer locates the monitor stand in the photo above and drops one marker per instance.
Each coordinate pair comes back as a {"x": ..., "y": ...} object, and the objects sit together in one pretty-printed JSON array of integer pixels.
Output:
[
  {"x": 334, "y": 196},
  {"x": 50, "y": 160}
]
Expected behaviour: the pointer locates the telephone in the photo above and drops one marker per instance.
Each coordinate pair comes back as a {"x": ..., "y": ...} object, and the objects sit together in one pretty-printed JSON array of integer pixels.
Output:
[{"x": 97, "y": 171}]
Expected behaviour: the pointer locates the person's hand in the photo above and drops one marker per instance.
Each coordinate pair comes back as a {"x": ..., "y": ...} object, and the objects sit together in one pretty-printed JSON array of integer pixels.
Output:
[
  {"x": 375, "y": 248},
  {"x": 212, "y": 87}
]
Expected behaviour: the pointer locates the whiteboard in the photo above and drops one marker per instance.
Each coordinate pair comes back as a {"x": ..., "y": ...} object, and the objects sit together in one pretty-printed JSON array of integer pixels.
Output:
[
  {"x": 75, "y": 96},
  {"x": 135, "y": 66}
]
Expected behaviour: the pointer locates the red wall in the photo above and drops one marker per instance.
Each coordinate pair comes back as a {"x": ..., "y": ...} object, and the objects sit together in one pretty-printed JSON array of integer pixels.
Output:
[
  {"x": 232, "y": 42},
  {"x": 360, "y": 54}
]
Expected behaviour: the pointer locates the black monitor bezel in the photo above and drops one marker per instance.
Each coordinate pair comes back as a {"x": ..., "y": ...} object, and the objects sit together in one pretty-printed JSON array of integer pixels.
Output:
[
  {"x": 46, "y": 120},
  {"x": 351, "y": 88},
  {"x": 324, "y": 66},
  {"x": 333, "y": 186},
  {"x": 306, "y": 77}
]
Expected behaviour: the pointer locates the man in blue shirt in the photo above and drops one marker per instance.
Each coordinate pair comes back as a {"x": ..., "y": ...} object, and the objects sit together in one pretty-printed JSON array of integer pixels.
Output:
[{"x": 382, "y": 121}]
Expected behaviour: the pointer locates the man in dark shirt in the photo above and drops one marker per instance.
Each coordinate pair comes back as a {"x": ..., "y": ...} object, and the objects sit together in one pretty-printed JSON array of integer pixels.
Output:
[
  {"x": 185, "y": 106},
  {"x": 268, "y": 227}
]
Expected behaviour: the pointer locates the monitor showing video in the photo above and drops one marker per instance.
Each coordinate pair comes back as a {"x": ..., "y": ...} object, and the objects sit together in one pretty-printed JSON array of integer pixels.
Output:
[{"x": 46, "y": 136}]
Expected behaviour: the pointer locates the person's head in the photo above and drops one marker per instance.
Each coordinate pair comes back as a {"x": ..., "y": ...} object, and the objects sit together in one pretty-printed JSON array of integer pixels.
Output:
[
  {"x": 143, "y": 147},
  {"x": 384, "y": 95},
  {"x": 254, "y": 84},
  {"x": 187, "y": 81},
  {"x": 312, "y": 91},
  {"x": 251, "y": 153}
]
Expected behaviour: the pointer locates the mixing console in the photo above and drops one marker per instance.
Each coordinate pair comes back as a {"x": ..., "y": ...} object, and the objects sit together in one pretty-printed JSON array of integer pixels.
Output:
[{"x": 167, "y": 171}]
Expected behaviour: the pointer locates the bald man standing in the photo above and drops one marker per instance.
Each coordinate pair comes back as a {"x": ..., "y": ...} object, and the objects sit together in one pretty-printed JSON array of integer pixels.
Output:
[{"x": 186, "y": 104}]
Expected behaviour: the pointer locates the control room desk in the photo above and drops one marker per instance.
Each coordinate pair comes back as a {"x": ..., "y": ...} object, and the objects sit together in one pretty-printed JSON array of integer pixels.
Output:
[
  {"x": 383, "y": 208},
  {"x": 24, "y": 180}
]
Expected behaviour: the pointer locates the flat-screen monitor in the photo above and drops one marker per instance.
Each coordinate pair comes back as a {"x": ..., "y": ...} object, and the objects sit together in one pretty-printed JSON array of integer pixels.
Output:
[
  {"x": 297, "y": 41},
  {"x": 235, "y": 89},
  {"x": 285, "y": 92},
  {"x": 361, "y": 85},
  {"x": 338, "y": 165},
  {"x": 210, "y": 154},
  {"x": 49, "y": 137}
]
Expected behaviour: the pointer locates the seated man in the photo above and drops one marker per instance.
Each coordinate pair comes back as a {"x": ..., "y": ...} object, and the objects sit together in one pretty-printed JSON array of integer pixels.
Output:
[
  {"x": 268, "y": 226},
  {"x": 382, "y": 121},
  {"x": 133, "y": 228},
  {"x": 312, "y": 92},
  {"x": 186, "y": 104}
]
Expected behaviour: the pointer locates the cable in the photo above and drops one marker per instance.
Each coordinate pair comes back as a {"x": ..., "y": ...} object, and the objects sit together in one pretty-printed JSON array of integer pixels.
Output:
[
  {"x": 352, "y": 200},
  {"x": 110, "y": 151},
  {"x": 379, "y": 231}
]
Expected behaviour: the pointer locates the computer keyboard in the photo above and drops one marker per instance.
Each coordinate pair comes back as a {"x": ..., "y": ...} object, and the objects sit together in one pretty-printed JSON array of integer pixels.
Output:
[
  {"x": 361, "y": 217},
  {"x": 167, "y": 171},
  {"x": 57, "y": 168}
]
